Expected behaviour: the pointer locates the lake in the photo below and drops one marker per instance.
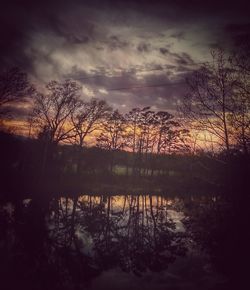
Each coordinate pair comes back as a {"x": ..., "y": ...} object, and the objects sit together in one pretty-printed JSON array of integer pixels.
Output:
[{"x": 113, "y": 242}]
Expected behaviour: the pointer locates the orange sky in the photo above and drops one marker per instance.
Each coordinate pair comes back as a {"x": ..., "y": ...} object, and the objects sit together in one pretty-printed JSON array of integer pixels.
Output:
[{"x": 200, "y": 140}]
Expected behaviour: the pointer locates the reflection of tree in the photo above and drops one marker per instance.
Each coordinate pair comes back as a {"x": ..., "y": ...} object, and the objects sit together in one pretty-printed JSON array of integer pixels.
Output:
[
  {"x": 136, "y": 235},
  {"x": 36, "y": 255},
  {"x": 212, "y": 224},
  {"x": 67, "y": 241}
]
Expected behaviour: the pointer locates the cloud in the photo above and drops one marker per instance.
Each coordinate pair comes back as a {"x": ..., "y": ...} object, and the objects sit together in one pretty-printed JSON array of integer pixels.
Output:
[
  {"x": 143, "y": 47},
  {"x": 178, "y": 35},
  {"x": 116, "y": 44},
  {"x": 164, "y": 50}
]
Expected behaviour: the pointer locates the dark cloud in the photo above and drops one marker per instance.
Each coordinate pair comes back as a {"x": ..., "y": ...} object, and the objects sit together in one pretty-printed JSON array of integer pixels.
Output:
[
  {"x": 114, "y": 42},
  {"x": 76, "y": 20},
  {"x": 179, "y": 58},
  {"x": 143, "y": 47},
  {"x": 178, "y": 35},
  {"x": 184, "y": 59},
  {"x": 158, "y": 90},
  {"x": 89, "y": 39},
  {"x": 164, "y": 50}
]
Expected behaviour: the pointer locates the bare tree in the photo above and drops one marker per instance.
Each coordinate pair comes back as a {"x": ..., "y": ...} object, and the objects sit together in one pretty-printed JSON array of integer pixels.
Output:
[
  {"x": 153, "y": 132},
  {"x": 52, "y": 111},
  {"x": 176, "y": 140},
  {"x": 164, "y": 122},
  {"x": 209, "y": 101},
  {"x": 14, "y": 85},
  {"x": 51, "y": 117},
  {"x": 240, "y": 117},
  {"x": 140, "y": 124},
  {"x": 134, "y": 121},
  {"x": 112, "y": 135},
  {"x": 87, "y": 118},
  {"x": 147, "y": 132}
]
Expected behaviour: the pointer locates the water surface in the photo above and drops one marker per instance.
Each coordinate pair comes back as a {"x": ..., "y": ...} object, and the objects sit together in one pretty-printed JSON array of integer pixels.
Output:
[{"x": 109, "y": 242}]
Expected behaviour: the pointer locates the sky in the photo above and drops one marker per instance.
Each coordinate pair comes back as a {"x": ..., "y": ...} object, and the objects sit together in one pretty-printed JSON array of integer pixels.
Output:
[{"x": 129, "y": 53}]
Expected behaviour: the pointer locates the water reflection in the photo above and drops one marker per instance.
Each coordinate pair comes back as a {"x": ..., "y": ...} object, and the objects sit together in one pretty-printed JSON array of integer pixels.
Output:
[
  {"x": 65, "y": 242},
  {"x": 135, "y": 232}
]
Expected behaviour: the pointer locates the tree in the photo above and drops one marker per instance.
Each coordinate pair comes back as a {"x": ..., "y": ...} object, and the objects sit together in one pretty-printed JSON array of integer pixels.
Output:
[
  {"x": 153, "y": 132},
  {"x": 164, "y": 122},
  {"x": 147, "y": 132},
  {"x": 87, "y": 118},
  {"x": 112, "y": 137},
  {"x": 240, "y": 117},
  {"x": 14, "y": 85},
  {"x": 176, "y": 141},
  {"x": 209, "y": 101},
  {"x": 140, "y": 123},
  {"x": 51, "y": 116},
  {"x": 134, "y": 120},
  {"x": 52, "y": 111}
]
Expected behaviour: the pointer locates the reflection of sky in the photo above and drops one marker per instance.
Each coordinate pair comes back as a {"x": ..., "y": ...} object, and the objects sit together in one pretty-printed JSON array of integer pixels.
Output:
[
  {"x": 123, "y": 210},
  {"x": 178, "y": 275},
  {"x": 177, "y": 217},
  {"x": 121, "y": 203}
]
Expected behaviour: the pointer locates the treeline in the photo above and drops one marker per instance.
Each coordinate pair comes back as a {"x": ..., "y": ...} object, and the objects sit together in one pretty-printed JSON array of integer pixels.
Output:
[
  {"x": 62, "y": 117},
  {"x": 215, "y": 111},
  {"x": 139, "y": 143},
  {"x": 218, "y": 100},
  {"x": 98, "y": 170}
]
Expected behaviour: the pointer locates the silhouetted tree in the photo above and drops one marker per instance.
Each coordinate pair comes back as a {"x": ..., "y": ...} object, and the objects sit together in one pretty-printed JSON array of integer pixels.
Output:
[
  {"x": 139, "y": 134},
  {"x": 240, "y": 116},
  {"x": 175, "y": 140},
  {"x": 14, "y": 85},
  {"x": 51, "y": 115},
  {"x": 134, "y": 120},
  {"x": 52, "y": 111},
  {"x": 209, "y": 101},
  {"x": 112, "y": 135},
  {"x": 86, "y": 119}
]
